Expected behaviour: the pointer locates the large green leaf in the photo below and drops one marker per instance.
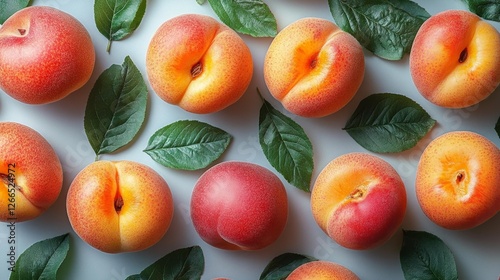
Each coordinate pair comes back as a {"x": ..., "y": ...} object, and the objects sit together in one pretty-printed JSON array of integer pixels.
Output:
[
  {"x": 388, "y": 123},
  {"x": 188, "y": 145},
  {"x": 42, "y": 260},
  {"x": 385, "y": 27},
  {"x": 116, "y": 107},
  {"x": 118, "y": 19},
  {"x": 286, "y": 146},
  {"x": 251, "y": 17},
  {"x": 281, "y": 266},
  {"x": 181, "y": 264},
  {"x": 487, "y": 9},
  {"x": 9, "y": 7},
  {"x": 424, "y": 256}
]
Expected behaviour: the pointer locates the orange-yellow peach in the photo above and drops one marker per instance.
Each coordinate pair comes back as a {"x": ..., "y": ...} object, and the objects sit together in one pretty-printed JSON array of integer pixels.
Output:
[
  {"x": 322, "y": 270},
  {"x": 359, "y": 200},
  {"x": 45, "y": 54},
  {"x": 239, "y": 206},
  {"x": 458, "y": 180},
  {"x": 313, "y": 67},
  {"x": 455, "y": 59},
  {"x": 119, "y": 206},
  {"x": 31, "y": 175},
  {"x": 198, "y": 63}
]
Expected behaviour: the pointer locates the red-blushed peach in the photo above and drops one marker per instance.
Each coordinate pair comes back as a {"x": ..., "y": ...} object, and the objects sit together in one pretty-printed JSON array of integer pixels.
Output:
[
  {"x": 239, "y": 206},
  {"x": 458, "y": 180},
  {"x": 313, "y": 67},
  {"x": 322, "y": 270},
  {"x": 45, "y": 54},
  {"x": 31, "y": 174},
  {"x": 119, "y": 206},
  {"x": 198, "y": 63},
  {"x": 359, "y": 200},
  {"x": 455, "y": 59}
]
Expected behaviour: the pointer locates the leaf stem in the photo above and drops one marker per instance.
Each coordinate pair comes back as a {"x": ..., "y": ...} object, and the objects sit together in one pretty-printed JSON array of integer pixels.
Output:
[{"x": 108, "y": 47}]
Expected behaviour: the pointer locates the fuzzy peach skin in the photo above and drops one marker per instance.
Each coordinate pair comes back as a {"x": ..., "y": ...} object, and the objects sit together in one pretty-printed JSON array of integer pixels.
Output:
[
  {"x": 322, "y": 270},
  {"x": 455, "y": 59},
  {"x": 119, "y": 206},
  {"x": 31, "y": 175},
  {"x": 313, "y": 67},
  {"x": 45, "y": 54},
  {"x": 198, "y": 63},
  {"x": 358, "y": 200},
  {"x": 239, "y": 206},
  {"x": 458, "y": 180}
]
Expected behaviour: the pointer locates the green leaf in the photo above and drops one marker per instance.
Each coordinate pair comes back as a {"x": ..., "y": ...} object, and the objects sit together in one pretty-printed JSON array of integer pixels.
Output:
[
  {"x": 42, "y": 259},
  {"x": 424, "y": 256},
  {"x": 388, "y": 123},
  {"x": 487, "y": 9},
  {"x": 118, "y": 19},
  {"x": 9, "y": 7},
  {"x": 116, "y": 107},
  {"x": 280, "y": 267},
  {"x": 187, "y": 145},
  {"x": 251, "y": 17},
  {"x": 497, "y": 127},
  {"x": 201, "y": 2},
  {"x": 286, "y": 146},
  {"x": 385, "y": 27},
  {"x": 182, "y": 264}
]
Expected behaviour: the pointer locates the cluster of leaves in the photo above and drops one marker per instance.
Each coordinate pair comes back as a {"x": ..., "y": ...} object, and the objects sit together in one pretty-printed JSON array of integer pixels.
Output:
[{"x": 423, "y": 256}]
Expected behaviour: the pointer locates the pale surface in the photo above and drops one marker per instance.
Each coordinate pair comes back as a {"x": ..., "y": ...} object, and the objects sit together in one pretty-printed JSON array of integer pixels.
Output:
[{"x": 476, "y": 251}]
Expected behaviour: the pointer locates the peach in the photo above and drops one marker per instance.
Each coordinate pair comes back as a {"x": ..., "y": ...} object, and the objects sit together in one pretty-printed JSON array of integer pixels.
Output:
[
  {"x": 239, "y": 206},
  {"x": 45, "y": 54},
  {"x": 313, "y": 67},
  {"x": 322, "y": 270},
  {"x": 458, "y": 180},
  {"x": 199, "y": 64},
  {"x": 358, "y": 200},
  {"x": 119, "y": 206},
  {"x": 455, "y": 59},
  {"x": 31, "y": 174}
]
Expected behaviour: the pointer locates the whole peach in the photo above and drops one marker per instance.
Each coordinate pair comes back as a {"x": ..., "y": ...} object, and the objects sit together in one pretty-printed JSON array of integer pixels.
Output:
[
  {"x": 198, "y": 63},
  {"x": 359, "y": 200},
  {"x": 119, "y": 206},
  {"x": 322, "y": 270},
  {"x": 45, "y": 54},
  {"x": 458, "y": 180},
  {"x": 239, "y": 206},
  {"x": 313, "y": 67},
  {"x": 31, "y": 174},
  {"x": 455, "y": 59}
]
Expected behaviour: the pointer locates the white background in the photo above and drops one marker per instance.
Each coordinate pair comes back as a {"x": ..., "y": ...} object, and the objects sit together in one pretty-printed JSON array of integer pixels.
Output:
[{"x": 477, "y": 251}]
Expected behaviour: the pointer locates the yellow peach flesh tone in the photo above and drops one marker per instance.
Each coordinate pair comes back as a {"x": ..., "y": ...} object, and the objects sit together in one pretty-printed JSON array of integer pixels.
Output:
[{"x": 458, "y": 178}]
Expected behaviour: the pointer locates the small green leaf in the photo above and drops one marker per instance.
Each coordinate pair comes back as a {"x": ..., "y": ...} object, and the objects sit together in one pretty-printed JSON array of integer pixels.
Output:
[
  {"x": 187, "y": 145},
  {"x": 286, "y": 146},
  {"x": 424, "y": 256},
  {"x": 42, "y": 259},
  {"x": 385, "y": 27},
  {"x": 182, "y": 264},
  {"x": 201, "y": 2},
  {"x": 9, "y": 7},
  {"x": 388, "y": 123},
  {"x": 118, "y": 19},
  {"x": 251, "y": 17},
  {"x": 487, "y": 9},
  {"x": 497, "y": 127},
  {"x": 116, "y": 107},
  {"x": 281, "y": 266}
]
